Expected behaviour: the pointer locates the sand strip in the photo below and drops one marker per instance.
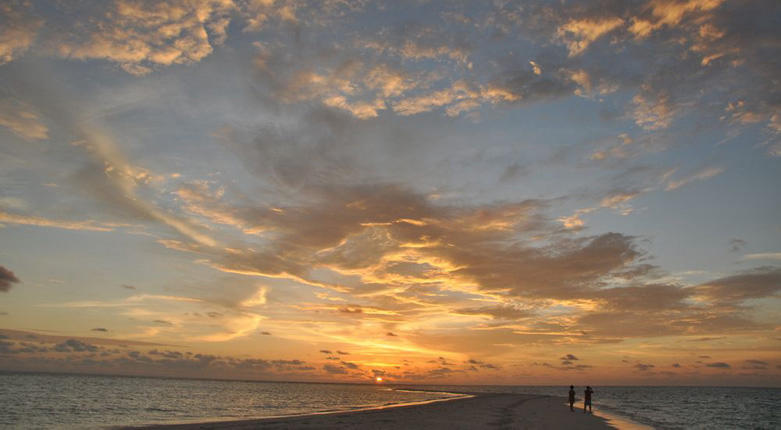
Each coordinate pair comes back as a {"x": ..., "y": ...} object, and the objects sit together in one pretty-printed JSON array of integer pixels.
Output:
[{"x": 483, "y": 411}]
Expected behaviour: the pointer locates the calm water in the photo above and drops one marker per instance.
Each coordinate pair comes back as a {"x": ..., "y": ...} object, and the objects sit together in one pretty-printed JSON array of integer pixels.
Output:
[{"x": 77, "y": 401}]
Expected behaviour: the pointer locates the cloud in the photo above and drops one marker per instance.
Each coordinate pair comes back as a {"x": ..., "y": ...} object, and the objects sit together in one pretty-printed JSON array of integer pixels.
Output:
[
  {"x": 483, "y": 246},
  {"x": 755, "y": 364},
  {"x": 577, "y": 367},
  {"x": 420, "y": 66},
  {"x": 752, "y": 284},
  {"x": 351, "y": 310},
  {"x": 90, "y": 225},
  {"x": 577, "y": 35},
  {"x": 167, "y": 354},
  {"x": 736, "y": 245},
  {"x": 702, "y": 174},
  {"x": 419, "y": 43},
  {"x": 134, "y": 300},
  {"x": 334, "y": 370},
  {"x": 112, "y": 179},
  {"x": 74, "y": 345},
  {"x": 100, "y": 329},
  {"x": 646, "y": 297},
  {"x": 258, "y": 12},
  {"x": 323, "y": 220},
  {"x": 257, "y": 299},
  {"x": 76, "y": 356},
  {"x": 7, "y": 278},
  {"x": 459, "y": 98},
  {"x": 705, "y": 339},
  {"x": 400, "y": 254},
  {"x": 576, "y": 265},
  {"x": 240, "y": 325},
  {"x": 617, "y": 199},
  {"x": 498, "y": 312},
  {"x": 719, "y": 365},
  {"x": 18, "y": 29},
  {"x": 762, "y": 256},
  {"x": 643, "y": 367},
  {"x": 22, "y": 119},
  {"x": 481, "y": 364},
  {"x": 349, "y": 365},
  {"x": 668, "y": 13},
  {"x": 440, "y": 372},
  {"x": 139, "y": 36},
  {"x": 653, "y": 111}
]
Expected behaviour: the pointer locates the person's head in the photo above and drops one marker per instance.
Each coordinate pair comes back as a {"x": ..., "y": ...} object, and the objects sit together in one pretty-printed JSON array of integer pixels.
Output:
[
  {"x": 571, "y": 387},
  {"x": 588, "y": 387}
]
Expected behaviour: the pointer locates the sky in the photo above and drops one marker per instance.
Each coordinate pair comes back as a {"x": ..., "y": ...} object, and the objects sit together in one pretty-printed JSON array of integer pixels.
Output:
[{"x": 432, "y": 192}]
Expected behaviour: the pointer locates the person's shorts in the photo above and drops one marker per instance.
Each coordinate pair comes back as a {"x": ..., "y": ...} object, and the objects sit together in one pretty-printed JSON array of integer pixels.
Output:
[{"x": 587, "y": 402}]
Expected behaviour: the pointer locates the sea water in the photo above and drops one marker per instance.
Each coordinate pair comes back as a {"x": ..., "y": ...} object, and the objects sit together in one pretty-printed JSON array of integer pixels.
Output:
[{"x": 32, "y": 400}]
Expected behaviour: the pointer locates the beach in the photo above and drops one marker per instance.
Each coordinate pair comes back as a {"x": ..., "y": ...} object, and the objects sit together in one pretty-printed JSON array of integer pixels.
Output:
[{"x": 488, "y": 411}]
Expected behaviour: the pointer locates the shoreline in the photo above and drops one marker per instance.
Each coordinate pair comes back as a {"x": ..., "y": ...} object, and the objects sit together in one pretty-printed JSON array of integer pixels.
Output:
[
  {"x": 207, "y": 421},
  {"x": 467, "y": 411}
]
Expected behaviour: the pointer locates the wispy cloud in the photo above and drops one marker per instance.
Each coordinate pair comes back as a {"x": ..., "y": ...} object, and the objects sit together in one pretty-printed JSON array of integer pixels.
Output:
[
  {"x": 701, "y": 175},
  {"x": 762, "y": 256},
  {"x": 10, "y": 218},
  {"x": 22, "y": 120}
]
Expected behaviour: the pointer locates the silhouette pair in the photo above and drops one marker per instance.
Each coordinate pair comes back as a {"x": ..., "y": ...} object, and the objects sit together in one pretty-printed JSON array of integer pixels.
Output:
[{"x": 586, "y": 400}]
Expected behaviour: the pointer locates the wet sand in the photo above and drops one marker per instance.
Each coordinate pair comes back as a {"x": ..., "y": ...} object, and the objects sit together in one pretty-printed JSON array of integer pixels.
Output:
[{"x": 483, "y": 411}]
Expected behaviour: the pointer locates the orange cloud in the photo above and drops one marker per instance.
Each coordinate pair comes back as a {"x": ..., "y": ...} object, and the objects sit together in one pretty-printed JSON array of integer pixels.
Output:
[
  {"x": 578, "y": 34},
  {"x": 139, "y": 36},
  {"x": 701, "y": 175},
  {"x": 10, "y": 218},
  {"x": 22, "y": 120},
  {"x": 18, "y": 29},
  {"x": 669, "y": 13}
]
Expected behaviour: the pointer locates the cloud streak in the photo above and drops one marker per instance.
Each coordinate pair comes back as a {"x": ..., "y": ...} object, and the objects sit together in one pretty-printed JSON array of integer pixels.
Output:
[{"x": 7, "y": 278}]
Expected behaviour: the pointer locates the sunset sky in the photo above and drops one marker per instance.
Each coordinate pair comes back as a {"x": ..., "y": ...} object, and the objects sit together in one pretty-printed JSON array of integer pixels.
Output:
[{"x": 536, "y": 192}]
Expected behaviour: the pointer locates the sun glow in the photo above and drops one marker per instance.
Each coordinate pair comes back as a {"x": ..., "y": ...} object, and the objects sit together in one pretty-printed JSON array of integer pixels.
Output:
[{"x": 378, "y": 379}]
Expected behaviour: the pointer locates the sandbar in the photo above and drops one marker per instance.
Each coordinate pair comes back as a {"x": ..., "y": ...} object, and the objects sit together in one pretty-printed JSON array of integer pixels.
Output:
[{"x": 480, "y": 411}]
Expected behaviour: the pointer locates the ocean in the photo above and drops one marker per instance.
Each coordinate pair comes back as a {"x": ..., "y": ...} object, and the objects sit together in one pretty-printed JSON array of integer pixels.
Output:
[{"x": 31, "y": 400}]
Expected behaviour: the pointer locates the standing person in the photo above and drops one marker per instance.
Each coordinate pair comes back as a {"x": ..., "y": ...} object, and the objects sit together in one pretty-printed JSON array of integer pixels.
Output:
[
  {"x": 587, "y": 400},
  {"x": 571, "y": 398}
]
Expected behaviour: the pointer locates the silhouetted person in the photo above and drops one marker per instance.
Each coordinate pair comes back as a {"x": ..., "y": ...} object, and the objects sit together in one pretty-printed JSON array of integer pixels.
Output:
[
  {"x": 587, "y": 400},
  {"x": 571, "y": 398}
]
